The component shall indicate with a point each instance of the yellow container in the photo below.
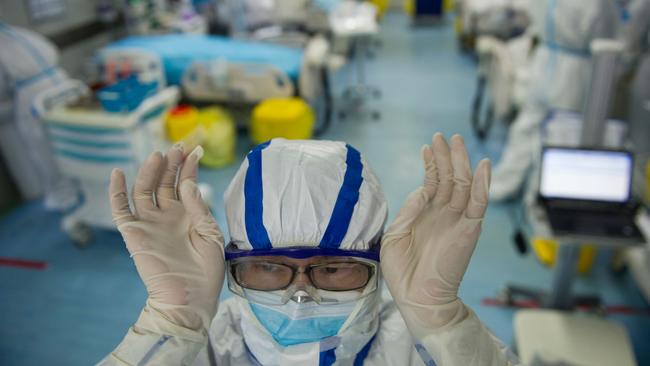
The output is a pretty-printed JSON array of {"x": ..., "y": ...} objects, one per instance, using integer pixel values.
[
  {"x": 409, "y": 7},
  {"x": 381, "y": 5},
  {"x": 290, "y": 118},
  {"x": 546, "y": 252},
  {"x": 213, "y": 128},
  {"x": 180, "y": 122},
  {"x": 449, "y": 5},
  {"x": 218, "y": 137},
  {"x": 458, "y": 25}
]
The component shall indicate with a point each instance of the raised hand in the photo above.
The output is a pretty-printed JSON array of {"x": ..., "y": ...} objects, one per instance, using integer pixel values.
[
  {"x": 173, "y": 239},
  {"x": 427, "y": 249}
]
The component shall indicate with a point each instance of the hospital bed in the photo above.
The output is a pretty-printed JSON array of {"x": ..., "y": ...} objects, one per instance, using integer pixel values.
[
  {"x": 220, "y": 69},
  {"x": 311, "y": 16},
  {"x": 182, "y": 55},
  {"x": 498, "y": 18},
  {"x": 291, "y": 20},
  {"x": 89, "y": 142}
]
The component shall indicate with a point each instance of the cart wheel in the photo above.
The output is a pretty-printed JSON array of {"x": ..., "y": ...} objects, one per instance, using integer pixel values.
[
  {"x": 80, "y": 234},
  {"x": 376, "y": 116}
]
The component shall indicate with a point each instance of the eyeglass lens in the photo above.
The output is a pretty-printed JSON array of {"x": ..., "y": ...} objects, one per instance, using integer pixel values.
[{"x": 268, "y": 276}]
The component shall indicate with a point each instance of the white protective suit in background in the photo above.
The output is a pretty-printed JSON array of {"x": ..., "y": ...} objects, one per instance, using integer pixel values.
[
  {"x": 639, "y": 117},
  {"x": 635, "y": 32},
  {"x": 27, "y": 67},
  {"x": 560, "y": 76},
  {"x": 635, "y": 25},
  {"x": 317, "y": 194}
]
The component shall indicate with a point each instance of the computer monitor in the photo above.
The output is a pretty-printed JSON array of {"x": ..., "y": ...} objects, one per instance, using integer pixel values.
[{"x": 586, "y": 174}]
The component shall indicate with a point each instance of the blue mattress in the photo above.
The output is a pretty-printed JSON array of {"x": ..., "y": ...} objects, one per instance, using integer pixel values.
[{"x": 178, "y": 51}]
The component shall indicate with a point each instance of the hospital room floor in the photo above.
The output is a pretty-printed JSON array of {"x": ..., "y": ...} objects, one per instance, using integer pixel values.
[{"x": 78, "y": 308}]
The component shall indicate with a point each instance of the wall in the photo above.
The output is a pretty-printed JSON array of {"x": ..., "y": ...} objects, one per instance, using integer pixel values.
[{"x": 78, "y": 12}]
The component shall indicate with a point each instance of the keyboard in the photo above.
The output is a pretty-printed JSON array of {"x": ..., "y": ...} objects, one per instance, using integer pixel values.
[{"x": 580, "y": 222}]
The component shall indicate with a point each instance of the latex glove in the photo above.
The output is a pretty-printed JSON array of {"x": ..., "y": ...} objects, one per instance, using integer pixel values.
[
  {"x": 426, "y": 250},
  {"x": 173, "y": 239}
]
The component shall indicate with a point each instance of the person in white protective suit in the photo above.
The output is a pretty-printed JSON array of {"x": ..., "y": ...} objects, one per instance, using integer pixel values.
[
  {"x": 306, "y": 259},
  {"x": 27, "y": 67},
  {"x": 560, "y": 75},
  {"x": 636, "y": 34}
]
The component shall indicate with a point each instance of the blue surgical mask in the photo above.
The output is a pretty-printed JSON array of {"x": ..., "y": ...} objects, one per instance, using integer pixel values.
[{"x": 294, "y": 323}]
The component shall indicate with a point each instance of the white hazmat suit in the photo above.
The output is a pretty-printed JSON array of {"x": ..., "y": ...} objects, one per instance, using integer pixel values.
[
  {"x": 28, "y": 66},
  {"x": 311, "y": 195},
  {"x": 636, "y": 34},
  {"x": 560, "y": 75}
]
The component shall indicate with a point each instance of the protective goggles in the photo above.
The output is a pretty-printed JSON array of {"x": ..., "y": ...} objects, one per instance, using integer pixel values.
[{"x": 322, "y": 275}]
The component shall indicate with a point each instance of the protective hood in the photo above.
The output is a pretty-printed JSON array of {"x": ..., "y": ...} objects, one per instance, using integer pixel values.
[
  {"x": 25, "y": 53},
  {"x": 316, "y": 194},
  {"x": 290, "y": 193}
]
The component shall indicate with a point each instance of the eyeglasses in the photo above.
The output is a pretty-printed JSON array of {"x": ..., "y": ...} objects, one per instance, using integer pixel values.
[
  {"x": 263, "y": 275},
  {"x": 334, "y": 280}
]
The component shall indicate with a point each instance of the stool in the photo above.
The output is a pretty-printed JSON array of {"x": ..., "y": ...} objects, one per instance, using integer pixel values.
[{"x": 555, "y": 337}]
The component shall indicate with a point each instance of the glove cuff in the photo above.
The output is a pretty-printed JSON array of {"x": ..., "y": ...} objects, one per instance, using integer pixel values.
[
  {"x": 154, "y": 321},
  {"x": 466, "y": 342},
  {"x": 423, "y": 320}
]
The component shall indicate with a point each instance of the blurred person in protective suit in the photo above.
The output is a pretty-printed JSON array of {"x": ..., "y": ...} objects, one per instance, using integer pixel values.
[
  {"x": 559, "y": 79},
  {"x": 28, "y": 66}
]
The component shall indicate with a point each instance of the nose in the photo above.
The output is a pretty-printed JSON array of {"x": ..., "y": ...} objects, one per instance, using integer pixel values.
[
  {"x": 302, "y": 280},
  {"x": 303, "y": 289}
]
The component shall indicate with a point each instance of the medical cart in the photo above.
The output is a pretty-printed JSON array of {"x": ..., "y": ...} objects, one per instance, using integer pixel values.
[{"x": 89, "y": 143}]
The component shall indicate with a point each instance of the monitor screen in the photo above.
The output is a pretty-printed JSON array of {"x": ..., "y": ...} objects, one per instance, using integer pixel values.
[{"x": 586, "y": 174}]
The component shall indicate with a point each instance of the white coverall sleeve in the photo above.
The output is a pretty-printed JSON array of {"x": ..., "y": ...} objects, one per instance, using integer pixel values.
[
  {"x": 151, "y": 343},
  {"x": 468, "y": 343}
]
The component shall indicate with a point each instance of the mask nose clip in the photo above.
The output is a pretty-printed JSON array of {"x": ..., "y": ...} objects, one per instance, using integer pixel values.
[
  {"x": 301, "y": 299},
  {"x": 301, "y": 295}
]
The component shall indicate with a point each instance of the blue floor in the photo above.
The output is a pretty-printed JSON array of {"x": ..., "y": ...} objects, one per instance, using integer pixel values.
[{"x": 78, "y": 309}]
